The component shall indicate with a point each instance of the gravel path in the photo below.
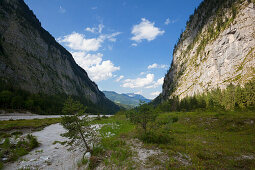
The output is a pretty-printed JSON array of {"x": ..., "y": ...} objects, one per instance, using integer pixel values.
[{"x": 49, "y": 156}]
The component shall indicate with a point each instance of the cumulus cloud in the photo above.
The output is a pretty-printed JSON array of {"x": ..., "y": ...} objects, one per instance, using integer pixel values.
[
  {"x": 96, "y": 68},
  {"x": 119, "y": 78},
  {"x": 155, "y": 65},
  {"x": 77, "y": 41},
  {"x": 159, "y": 82},
  {"x": 145, "y": 30},
  {"x": 139, "y": 82},
  {"x": 155, "y": 94}
]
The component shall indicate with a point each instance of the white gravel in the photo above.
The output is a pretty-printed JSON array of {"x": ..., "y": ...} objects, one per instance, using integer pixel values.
[{"x": 49, "y": 156}]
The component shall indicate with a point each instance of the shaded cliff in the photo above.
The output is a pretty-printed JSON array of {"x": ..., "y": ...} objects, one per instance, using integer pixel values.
[
  {"x": 217, "y": 48},
  {"x": 31, "y": 59}
]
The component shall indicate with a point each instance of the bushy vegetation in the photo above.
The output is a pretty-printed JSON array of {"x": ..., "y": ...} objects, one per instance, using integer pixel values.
[
  {"x": 150, "y": 129},
  {"x": 15, "y": 146},
  {"x": 189, "y": 140},
  {"x": 77, "y": 125},
  {"x": 233, "y": 98},
  {"x": 113, "y": 149},
  {"x": 210, "y": 140}
]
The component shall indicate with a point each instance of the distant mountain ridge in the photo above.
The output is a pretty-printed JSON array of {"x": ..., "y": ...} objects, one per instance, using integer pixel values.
[{"x": 128, "y": 100}]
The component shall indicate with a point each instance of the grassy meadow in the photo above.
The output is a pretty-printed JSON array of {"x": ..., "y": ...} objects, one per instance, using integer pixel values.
[{"x": 196, "y": 140}]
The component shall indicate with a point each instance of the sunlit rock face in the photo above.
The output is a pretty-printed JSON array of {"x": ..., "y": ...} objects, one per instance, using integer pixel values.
[
  {"x": 32, "y": 60},
  {"x": 216, "y": 49}
]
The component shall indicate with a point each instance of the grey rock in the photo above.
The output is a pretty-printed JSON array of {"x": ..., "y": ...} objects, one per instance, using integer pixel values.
[{"x": 230, "y": 58}]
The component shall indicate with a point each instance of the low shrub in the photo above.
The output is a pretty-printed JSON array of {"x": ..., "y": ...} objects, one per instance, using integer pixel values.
[{"x": 156, "y": 136}]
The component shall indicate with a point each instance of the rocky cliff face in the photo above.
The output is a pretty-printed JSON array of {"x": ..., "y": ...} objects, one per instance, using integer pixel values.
[
  {"x": 32, "y": 60},
  {"x": 216, "y": 49}
]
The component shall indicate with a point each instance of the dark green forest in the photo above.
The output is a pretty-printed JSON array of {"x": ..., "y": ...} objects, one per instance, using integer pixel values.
[
  {"x": 233, "y": 98},
  {"x": 15, "y": 99}
]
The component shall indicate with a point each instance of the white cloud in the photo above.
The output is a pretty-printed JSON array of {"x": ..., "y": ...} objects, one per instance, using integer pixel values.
[
  {"x": 79, "y": 42},
  {"x": 92, "y": 30},
  {"x": 159, "y": 82},
  {"x": 95, "y": 29},
  {"x": 119, "y": 78},
  {"x": 142, "y": 73},
  {"x": 61, "y": 10},
  {"x": 155, "y": 94},
  {"x": 145, "y": 30},
  {"x": 96, "y": 68},
  {"x": 155, "y": 65},
  {"x": 94, "y": 8},
  {"x": 139, "y": 82},
  {"x": 112, "y": 37},
  {"x": 167, "y": 21},
  {"x": 100, "y": 28}
]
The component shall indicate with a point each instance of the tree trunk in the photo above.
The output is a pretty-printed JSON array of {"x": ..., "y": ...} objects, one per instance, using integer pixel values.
[{"x": 83, "y": 138}]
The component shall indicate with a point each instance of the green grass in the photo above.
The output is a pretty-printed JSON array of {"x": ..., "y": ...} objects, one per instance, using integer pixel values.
[
  {"x": 206, "y": 140},
  {"x": 113, "y": 149},
  {"x": 213, "y": 140},
  {"x": 22, "y": 124},
  {"x": 12, "y": 151}
]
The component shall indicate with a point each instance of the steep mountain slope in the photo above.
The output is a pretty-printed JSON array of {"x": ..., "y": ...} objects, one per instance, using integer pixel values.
[
  {"x": 216, "y": 49},
  {"x": 128, "y": 100},
  {"x": 32, "y": 60}
]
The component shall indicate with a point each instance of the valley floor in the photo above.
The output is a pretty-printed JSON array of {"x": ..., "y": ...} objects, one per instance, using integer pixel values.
[{"x": 199, "y": 140}]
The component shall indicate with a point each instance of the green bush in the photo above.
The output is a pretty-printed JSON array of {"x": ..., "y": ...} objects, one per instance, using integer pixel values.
[
  {"x": 156, "y": 136},
  {"x": 33, "y": 143}
]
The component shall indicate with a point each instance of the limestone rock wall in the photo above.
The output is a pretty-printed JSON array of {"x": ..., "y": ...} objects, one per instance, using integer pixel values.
[{"x": 222, "y": 52}]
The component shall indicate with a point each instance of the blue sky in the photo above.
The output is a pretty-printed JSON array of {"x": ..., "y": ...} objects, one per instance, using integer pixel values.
[{"x": 124, "y": 45}]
